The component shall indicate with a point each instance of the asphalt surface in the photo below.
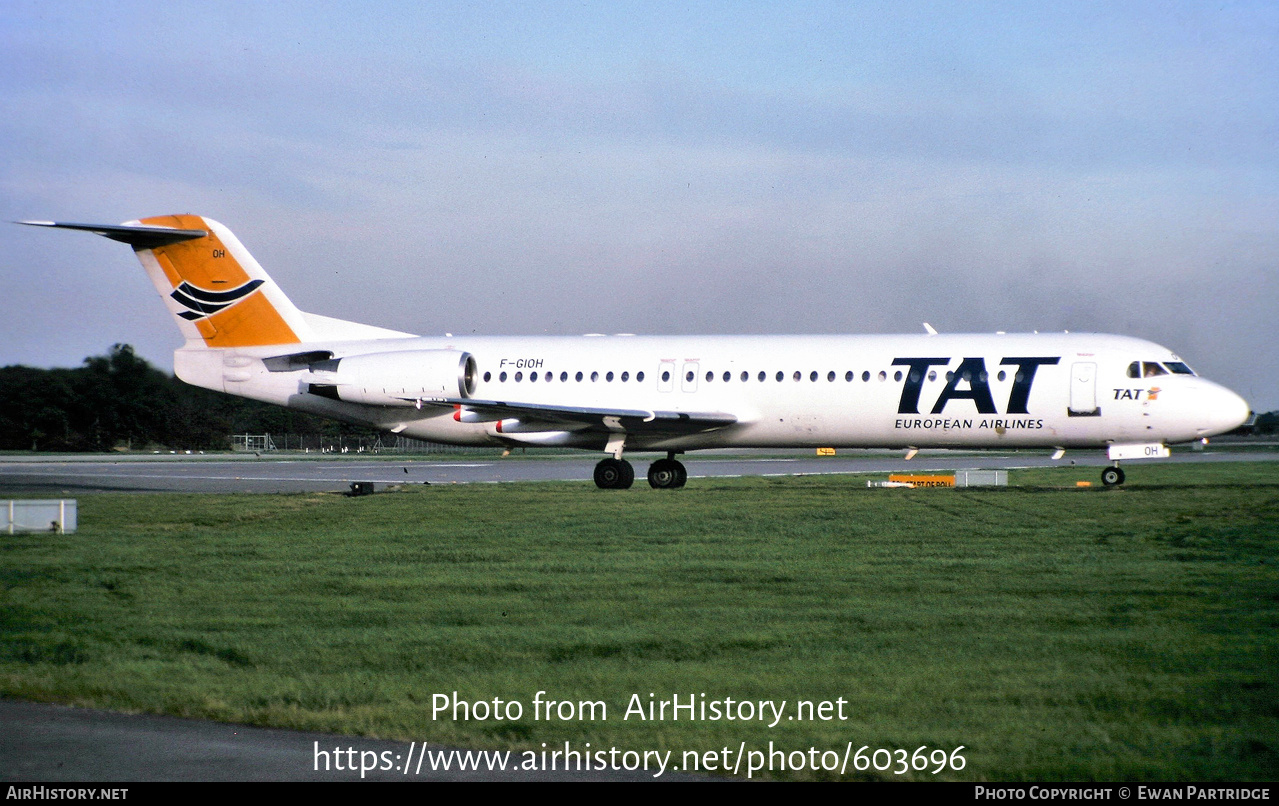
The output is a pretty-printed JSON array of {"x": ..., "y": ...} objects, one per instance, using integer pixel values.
[
  {"x": 273, "y": 473},
  {"x": 43, "y": 743}
]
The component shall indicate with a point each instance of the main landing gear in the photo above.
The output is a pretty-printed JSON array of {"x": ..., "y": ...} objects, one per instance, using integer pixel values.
[
  {"x": 617, "y": 474},
  {"x": 667, "y": 474},
  {"x": 614, "y": 474}
]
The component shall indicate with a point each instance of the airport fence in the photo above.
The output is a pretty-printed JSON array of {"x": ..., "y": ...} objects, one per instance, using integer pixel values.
[{"x": 348, "y": 444}]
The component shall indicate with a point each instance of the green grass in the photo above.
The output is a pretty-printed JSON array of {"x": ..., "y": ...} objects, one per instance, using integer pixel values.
[{"x": 1054, "y": 632}]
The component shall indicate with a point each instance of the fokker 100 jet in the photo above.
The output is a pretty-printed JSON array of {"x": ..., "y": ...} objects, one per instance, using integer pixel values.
[{"x": 668, "y": 394}]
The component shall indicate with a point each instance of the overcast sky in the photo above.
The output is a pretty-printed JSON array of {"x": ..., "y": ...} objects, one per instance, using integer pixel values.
[{"x": 659, "y": 168}]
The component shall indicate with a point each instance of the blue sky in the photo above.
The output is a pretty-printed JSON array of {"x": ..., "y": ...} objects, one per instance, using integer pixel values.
[{"x": 659, "y": 168}]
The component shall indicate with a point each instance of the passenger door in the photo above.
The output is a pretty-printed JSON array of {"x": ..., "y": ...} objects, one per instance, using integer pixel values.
[{"x": 1083, "y": 390}]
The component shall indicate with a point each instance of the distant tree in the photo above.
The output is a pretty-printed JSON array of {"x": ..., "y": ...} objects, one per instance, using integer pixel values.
[
  {"x": 1267, "y": 423},
  {"x": 132, "y": 401},
  {"x": 36, "y": 408}
]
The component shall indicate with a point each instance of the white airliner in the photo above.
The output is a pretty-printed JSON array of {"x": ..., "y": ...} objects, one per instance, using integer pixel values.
[{"x": 668, "y": 394}]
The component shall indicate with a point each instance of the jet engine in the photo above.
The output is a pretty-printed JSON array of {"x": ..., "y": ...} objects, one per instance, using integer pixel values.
[{"x": 395, "y": 379}]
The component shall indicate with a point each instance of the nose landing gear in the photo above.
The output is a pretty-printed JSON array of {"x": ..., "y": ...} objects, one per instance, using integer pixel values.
[{"x": 1112, "y": 476}]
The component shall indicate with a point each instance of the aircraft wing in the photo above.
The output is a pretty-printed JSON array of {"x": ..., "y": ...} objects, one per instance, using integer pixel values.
[{"x": 629, "y": 420}]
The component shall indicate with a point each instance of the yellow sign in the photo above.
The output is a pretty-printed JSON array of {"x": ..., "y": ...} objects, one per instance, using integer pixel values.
[
  {"x": 923, "y": 481},
  {"x": 825, "y": 451}
]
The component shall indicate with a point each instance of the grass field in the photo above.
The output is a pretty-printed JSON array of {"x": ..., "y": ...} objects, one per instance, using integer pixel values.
[{"x": 1053, "y": 632}]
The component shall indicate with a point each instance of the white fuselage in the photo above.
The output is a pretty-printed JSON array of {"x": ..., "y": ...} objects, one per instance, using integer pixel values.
[{"x": 888, "y": 391}]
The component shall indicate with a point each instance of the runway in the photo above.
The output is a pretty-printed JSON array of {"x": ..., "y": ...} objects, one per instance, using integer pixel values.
[{"x": 275, "y": 473}]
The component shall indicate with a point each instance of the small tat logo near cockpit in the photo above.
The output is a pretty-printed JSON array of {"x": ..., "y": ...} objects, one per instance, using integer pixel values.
[
  {"x": 200, "y": 303},
  {"x": 1138, "y": 394}
]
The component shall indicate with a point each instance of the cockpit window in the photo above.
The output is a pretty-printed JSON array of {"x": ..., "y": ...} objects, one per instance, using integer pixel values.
[
  {"x": 1179, "y": 368},
  {"x": 1134, "y": 370},
  {"x": 1150, "y": 369}
]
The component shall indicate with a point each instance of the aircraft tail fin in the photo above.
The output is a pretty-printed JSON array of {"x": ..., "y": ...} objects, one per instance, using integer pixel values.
[{"x": 218, "y": 294}]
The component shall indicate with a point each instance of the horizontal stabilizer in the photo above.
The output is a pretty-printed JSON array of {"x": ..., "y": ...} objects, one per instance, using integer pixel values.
[{"x": 136, "y": 235}]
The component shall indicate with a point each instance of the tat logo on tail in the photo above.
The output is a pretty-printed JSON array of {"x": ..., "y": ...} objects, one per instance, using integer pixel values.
[{"x": 200, "y": 303}]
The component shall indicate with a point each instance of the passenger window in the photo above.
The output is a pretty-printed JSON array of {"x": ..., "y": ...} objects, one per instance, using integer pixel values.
[
  {"x": 502, "y": 377},
  {"x": 595, "y": 376},
  {"x": 780, "y": 375},
  {"x": 728, "y": 376},
  {"x": 830, "y": 376},
  {"x": 563, "y": 377},
  {"x": 884, "y": 375},
  {"x": 797, "y": 375},
  {"x": 532, "y": 377},
  {"x": 639, "y": 376},
  {"x": 626, "y": 376},
  {"x": 690, "y": 376},
  {"x": 487, "y": 376},
  {"x": 710, "y": 376},
  {"x": 666, "y": 376},
  {"x": 897, "y": 376},
  {"x": 848, "y": 376},
  {"x": 762, "y": 376},
  {"x": 865, "y": 376},
  {"x": 745, "y": 376},
  {"x": 519, "y": 376},
  {"x": 578, "y": 377},
  {"x": 609, "y": 376}
]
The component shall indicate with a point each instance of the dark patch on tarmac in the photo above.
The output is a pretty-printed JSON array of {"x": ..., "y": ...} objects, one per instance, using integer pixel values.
[{"x": 57, "y": 743}]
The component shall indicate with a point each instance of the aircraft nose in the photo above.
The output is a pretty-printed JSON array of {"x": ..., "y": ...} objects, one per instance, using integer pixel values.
[{"x": 1224, "y": 411}]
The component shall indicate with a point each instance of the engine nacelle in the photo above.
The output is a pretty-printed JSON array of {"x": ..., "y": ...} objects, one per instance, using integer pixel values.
[{"x": 395, "y": 379}]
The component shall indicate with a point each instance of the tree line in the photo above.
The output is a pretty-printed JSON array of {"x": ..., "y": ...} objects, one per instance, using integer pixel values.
[{"x": 119, "y": 400}]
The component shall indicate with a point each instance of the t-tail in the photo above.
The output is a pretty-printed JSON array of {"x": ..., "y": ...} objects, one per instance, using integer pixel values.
[
  {"x": 220, "y": 297},
  {"x": 218, "y": 294}
]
